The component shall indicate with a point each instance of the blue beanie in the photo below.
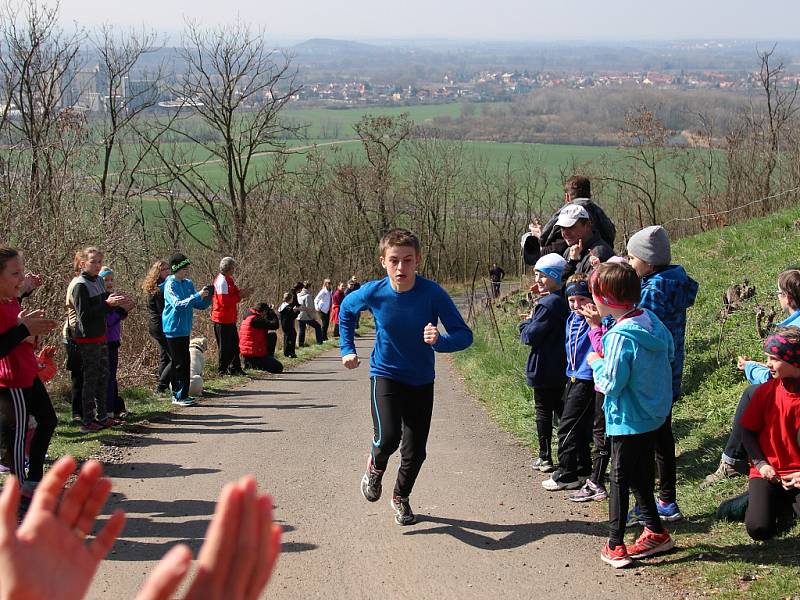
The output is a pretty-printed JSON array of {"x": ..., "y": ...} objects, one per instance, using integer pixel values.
[
  {"x": 551, "y": 265},
  {"x": 106, "y": 271}
]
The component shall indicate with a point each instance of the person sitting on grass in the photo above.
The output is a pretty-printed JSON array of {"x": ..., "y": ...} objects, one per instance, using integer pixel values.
[
  {"x": 635, "y": 375},
  {"x": 771, "y": 435},
  {"x": 734, "y": 460},
  {"x": 544, "y": 331},
  {"x": 257, "y": 339}
]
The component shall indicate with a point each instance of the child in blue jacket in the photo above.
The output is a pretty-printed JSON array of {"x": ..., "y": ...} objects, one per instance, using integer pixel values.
[
  {"x": 180, "y": 300},
  {"x": 544, "y": 332},
  {"x": 667, "y": 291},
  {"x": 635, "y": 375}
]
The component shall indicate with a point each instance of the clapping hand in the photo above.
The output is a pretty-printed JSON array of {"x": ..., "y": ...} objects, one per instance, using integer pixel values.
[
  {"x": 237, "y": 558},
  {"x": 47, "y": 556},
  {"x": 31, "y": 282},
  {"x": 35, "y": 322}
]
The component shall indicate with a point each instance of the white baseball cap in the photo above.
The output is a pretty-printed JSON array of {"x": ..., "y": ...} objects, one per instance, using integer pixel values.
[{"x": 570, "y": 215}]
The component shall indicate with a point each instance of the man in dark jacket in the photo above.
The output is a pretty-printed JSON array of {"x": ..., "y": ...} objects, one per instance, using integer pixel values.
[
  {"x": 541, "y": 240},
  {"x": 582, "y": 241}
]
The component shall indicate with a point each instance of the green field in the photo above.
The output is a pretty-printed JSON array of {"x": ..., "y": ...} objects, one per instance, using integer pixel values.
[{"x": 713, "y": 557}]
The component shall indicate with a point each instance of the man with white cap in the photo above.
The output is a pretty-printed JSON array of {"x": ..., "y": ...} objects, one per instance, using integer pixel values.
[{"x": 582, "y": 241}]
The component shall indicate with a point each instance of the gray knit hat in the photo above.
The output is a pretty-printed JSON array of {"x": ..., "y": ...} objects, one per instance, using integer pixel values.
[{"x": 651, "y": 245}]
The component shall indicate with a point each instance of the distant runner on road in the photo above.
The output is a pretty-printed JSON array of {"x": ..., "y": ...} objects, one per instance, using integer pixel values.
[{"x": 407, "y": 309}]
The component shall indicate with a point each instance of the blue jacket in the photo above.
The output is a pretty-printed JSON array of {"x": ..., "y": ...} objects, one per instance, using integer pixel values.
[
  {"x": 578, "y": 346},
  {"x": 635, "y": 375},
  {"x": 400, "y": 353},
  {"x": 669, "y": 293},
  {"x": 544, "y": 332},
  {"x": 180, "y": 299},
  {"x": 756, "y": 373}
]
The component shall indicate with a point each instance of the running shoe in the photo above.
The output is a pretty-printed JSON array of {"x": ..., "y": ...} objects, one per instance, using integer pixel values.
[
  {"x": 634, "y": 517},
  {"x": 183, "y": 401},
  {"x": 371, "y": 487},
  {"x": 110, "y": 422},
  {"x": 91, "y": 427},
  {"x": 556, "y": 483},
  {"x": 617, "y": 558},
  {"x": 590, "y": 491},
  {"x": 543, "y": 465},
  {"x": 668, "y": 511},
  {"x": 649, "y": 544},
  {"x": 403, "y": 515}
]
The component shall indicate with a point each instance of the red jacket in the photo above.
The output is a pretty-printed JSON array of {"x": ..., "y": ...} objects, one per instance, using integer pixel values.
[
  {"x": 18, "y": 367},
  {"x": 225, "y": 300},
  {"x": 252, "y": 340}
]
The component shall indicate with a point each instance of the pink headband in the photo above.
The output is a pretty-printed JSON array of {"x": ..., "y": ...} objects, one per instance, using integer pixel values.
[{"x": 607, "y": 300}]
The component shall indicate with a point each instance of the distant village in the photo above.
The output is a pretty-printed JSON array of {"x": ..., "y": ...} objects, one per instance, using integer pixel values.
[{"x": 87, "y": 90}]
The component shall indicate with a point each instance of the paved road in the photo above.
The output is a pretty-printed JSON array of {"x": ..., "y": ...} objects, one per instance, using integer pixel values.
[{"x": 487, "y": 529}]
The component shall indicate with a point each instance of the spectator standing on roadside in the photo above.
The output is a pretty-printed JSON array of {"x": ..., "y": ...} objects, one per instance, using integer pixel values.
[
  {"x": 496, "y": 276},
  {"x": 114, "y": 402},
  {"x": 541, "y": 240},
  {"x": 224, "y": 312},
  {"x": 582, "y": 242},
  {"x": 322, "y": 303},
  {"x": 153, "y": 286},
  {"x": 307, "y": 317},
  {"x": 287, "y": 314},
  {"x": 336, "y": 302},
  {"x": 180, "y": 301},
  {"x": 352, "y": 286}
]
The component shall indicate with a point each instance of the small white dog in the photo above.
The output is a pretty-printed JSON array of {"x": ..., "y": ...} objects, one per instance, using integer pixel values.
[{"x": 197, "y": 349}]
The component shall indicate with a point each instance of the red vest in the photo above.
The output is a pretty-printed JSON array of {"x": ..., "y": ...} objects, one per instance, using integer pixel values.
[{"x": 252, "y": 341}]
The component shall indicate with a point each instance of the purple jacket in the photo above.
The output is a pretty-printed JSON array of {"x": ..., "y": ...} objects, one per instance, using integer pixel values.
[{"x": 114, "y": 320}]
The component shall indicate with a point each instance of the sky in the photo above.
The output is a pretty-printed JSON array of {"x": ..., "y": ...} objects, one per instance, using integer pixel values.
[{"x": 519, "y": 20}]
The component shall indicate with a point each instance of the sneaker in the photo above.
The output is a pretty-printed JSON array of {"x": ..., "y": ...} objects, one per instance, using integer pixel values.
[
  {"x": 668, "y": 511},
  {"x": 724, "y": 471},
  {"x": 403, "y": 515},
  {"x": 589, "y": 491},
  {"x": 4, "y": 469},
  {"x": 555, "y": 483},
  {"x": 634, "y": 517},
  {"x": 110, "y": 422},
  {"x": 650, "y": 543},
  {"x": 543, "y": 465},
  {"x": 183, "y": 402},
  {"x": 77, "y": 417},
  {"x": 617, "y": 558},
  {"x": 91, "y": 427},
  {"x": 371, "y": 487},
  {"x": 733, "y": 509}
]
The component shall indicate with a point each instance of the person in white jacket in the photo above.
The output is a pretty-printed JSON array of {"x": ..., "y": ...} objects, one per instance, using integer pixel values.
[
  {"x": 322, "y": 303},
  {"x": 307, "y": 317}
]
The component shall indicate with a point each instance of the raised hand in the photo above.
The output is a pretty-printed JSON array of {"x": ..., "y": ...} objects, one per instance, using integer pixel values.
[
  {"x": 575, "y": 250},
  {"x": 430, "y": 334},
  {"x": 35, "y": 322},
  {"x": 47, "y": 556},
  {"x": 591, "y": 314},
  {"x": 31, "y": 282},
  {"x": 237, "y": 558}
]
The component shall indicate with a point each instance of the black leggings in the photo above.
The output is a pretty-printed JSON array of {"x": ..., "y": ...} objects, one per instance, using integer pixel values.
[
  {"x": 600, "y": 456},
  {"x": 400, "y": 412},
  {"x": 765, "y": 504},
  {"x": 665, "y": 461},
  {"x": 632, "y": 470},
  {"x": 15, "y": 406},
  {"x": 548, "y": 401},
  {"x": 179, "y": 351},
  {"x": 164, "y": 362}
]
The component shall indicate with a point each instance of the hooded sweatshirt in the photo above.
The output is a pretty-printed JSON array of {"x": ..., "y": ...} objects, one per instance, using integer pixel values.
[
  {"x": 757, "y": 373},
  {"x": 668, "y": 293},
  {"x": 635, "y": 374}
]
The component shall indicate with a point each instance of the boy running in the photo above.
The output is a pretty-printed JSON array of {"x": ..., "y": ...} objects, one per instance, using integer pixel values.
[{"x": 407, "y": 308}]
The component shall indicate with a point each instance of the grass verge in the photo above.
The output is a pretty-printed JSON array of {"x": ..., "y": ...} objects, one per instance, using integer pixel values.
[{"x": 713, "y": 557}]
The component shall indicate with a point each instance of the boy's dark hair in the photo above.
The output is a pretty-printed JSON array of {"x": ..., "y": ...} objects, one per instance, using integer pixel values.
[
  {"x": 578, "y": 187},
  {"x": 399, "y": 237},
  {"x": 6, "y": 254},
  {"x": 617, "y": 281},
  {"x": 789, "y": 284}
]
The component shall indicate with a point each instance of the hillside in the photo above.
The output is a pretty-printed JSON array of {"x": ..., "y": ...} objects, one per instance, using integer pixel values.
[{"x": 713, "y": 556}]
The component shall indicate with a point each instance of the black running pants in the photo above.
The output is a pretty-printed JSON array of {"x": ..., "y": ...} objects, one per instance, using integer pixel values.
[
  {"x": 767, "y": 501},
  {"x": 548, "y": 402},
  {"x": 575, "y": 428},
  {"x": 401, "y": 417}
]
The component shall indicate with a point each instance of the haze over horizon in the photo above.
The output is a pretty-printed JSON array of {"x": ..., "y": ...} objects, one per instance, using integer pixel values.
[{"x": 458, "y": 20}]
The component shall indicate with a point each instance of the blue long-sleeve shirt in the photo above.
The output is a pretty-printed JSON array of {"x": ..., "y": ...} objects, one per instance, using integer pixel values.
[
  {"x": 757, "y": 373},
  {"x": 180, "y": 299},
  {"x": 400, "y": 353}
]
